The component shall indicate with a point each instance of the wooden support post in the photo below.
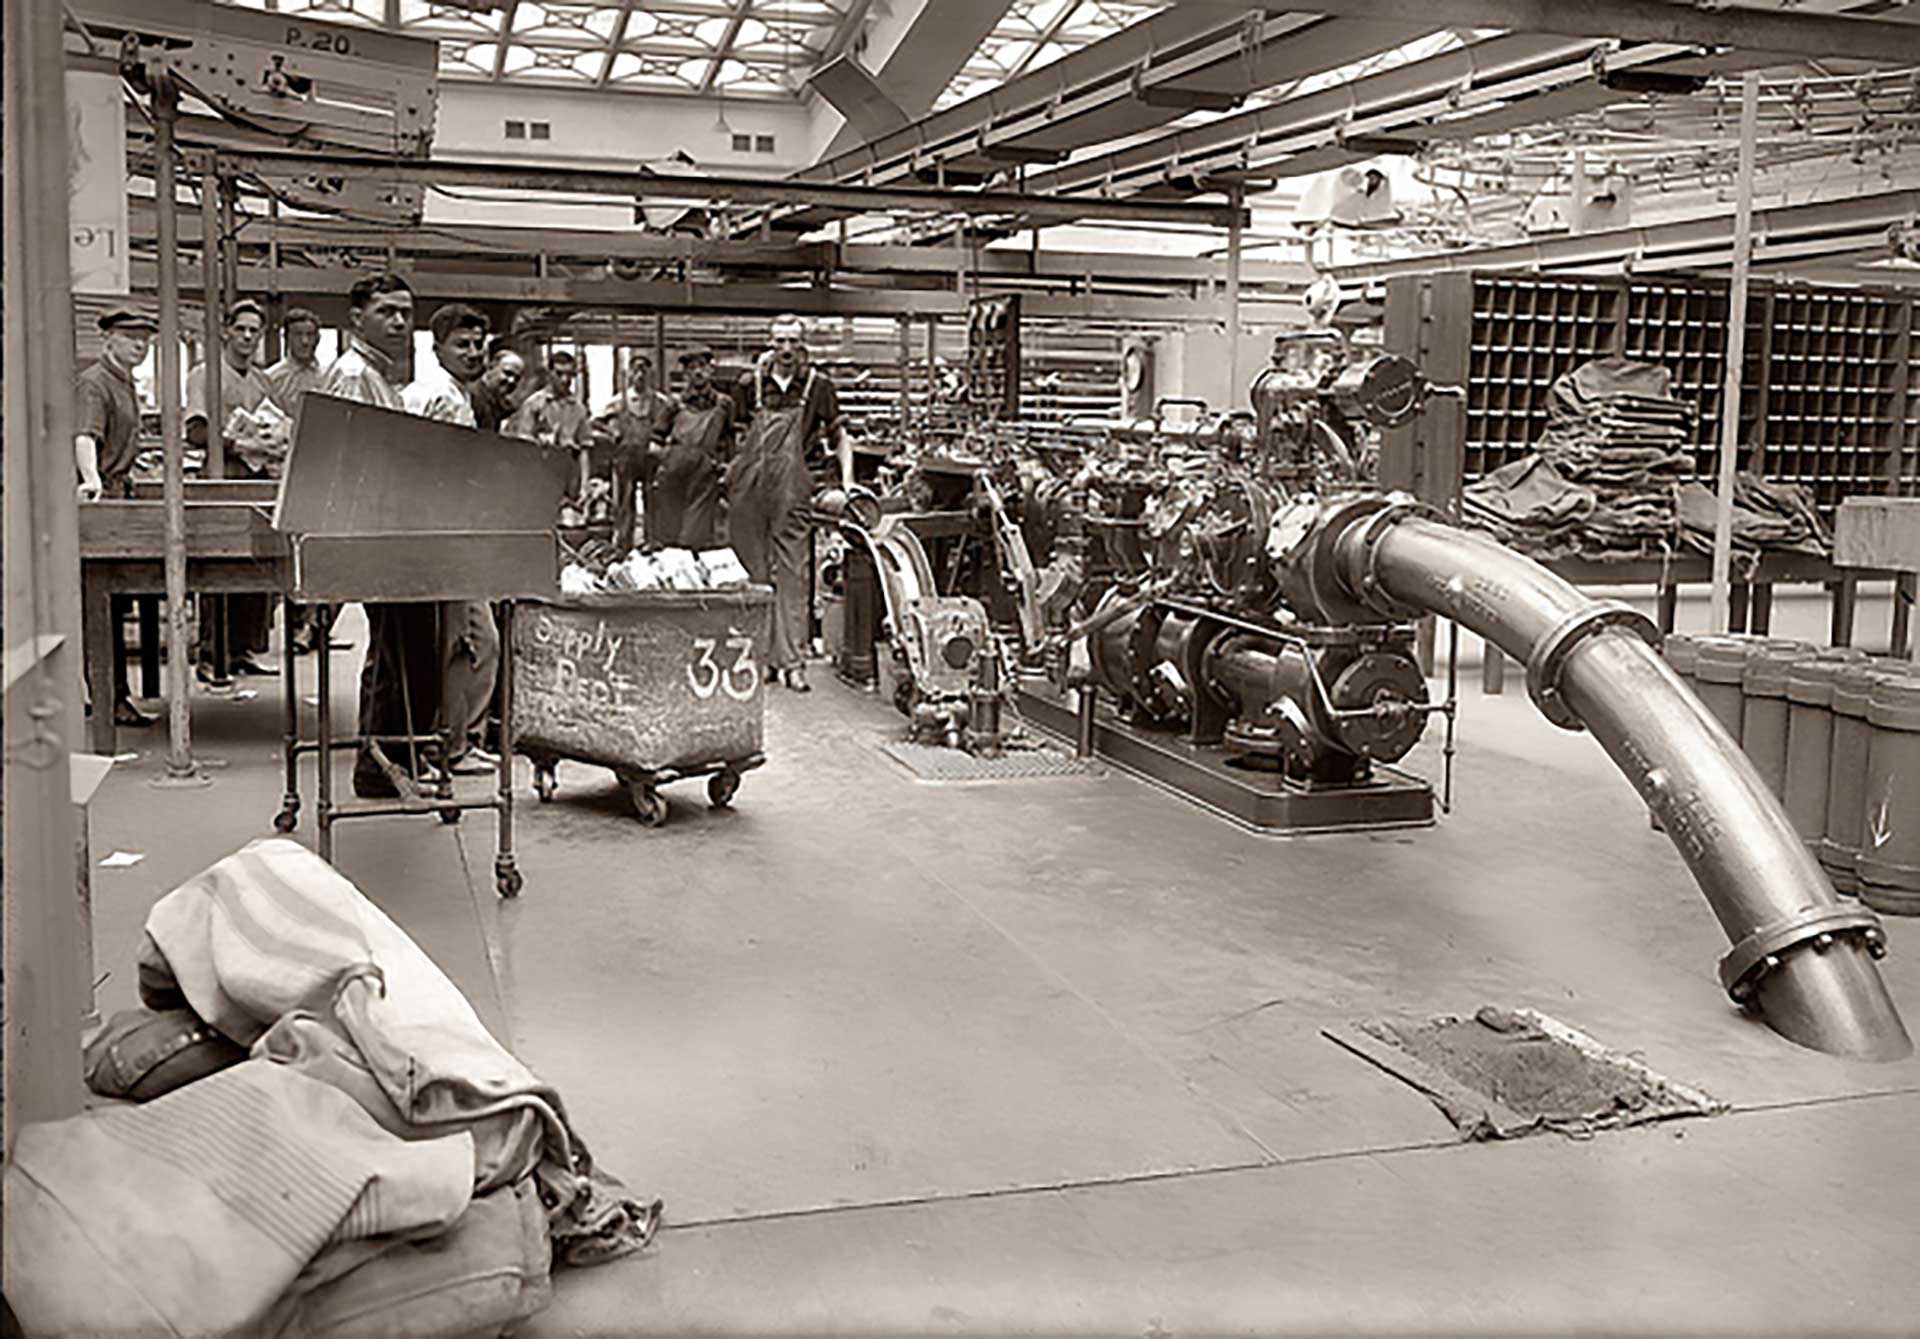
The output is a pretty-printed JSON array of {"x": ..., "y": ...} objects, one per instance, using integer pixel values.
[
  {"x": 1721, "y": 593},
  {"x": 46, "y": 977}
]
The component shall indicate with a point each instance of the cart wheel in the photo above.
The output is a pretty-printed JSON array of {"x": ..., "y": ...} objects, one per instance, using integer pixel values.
[
  {"x": 508, "y": 882},
  {"x": 286, "y": 820},
  {"x": 648, "y": 803},
  {"x": 545, "y": 783},
  {"x": 449, "y": 816},
  {"x": 722, "y": 787}
]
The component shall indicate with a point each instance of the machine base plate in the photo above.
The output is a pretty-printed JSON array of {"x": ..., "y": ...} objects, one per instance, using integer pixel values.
[{"x": 1262, "y": 801}]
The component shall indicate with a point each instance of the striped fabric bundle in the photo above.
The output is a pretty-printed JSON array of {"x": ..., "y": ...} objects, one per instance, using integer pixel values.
[{"x": 273, "y": 930}]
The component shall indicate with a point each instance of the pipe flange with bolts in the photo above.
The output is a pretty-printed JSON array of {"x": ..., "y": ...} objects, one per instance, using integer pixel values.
[
  {"x": 1550, "y": 655},
  {"x": 1761, "y": 951}
]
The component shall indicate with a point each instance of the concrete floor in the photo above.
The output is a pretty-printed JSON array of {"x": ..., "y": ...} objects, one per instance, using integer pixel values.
[{"x": 1046, "y": 1055}]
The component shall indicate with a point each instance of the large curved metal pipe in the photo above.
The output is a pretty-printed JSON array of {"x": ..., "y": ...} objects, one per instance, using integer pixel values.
[{"x": 1800, "y": 956}]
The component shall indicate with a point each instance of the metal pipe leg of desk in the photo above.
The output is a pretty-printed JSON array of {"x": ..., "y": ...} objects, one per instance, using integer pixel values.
[
  {"x": 1669, "y": 608},
  {"x": 507, "y": 880},
  {"x": 96, "y": 635},
  {"x": 149, "y": 606},
  {"x": 289, "y": 816},
  {"x": 1900, "y": 644},
  {"x": 323, "y": 806},
  {"x": 213, "y": 636},
  {"x": 1762, "y": 615},
  {"x": 1845, "y": 592},
  {"x": 1493, "y": 671},
  {"x": 1738, "y": 606}
]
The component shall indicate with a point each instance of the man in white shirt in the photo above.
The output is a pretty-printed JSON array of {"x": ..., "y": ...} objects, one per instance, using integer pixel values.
[
  {"x": 469, "y": 637},
  {"x": 442, "y": 380}
]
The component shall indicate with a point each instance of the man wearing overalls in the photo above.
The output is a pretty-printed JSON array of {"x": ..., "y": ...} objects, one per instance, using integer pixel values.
[
  {"x": 792, "y": 415},
  {"x": 684, "y": 508}
]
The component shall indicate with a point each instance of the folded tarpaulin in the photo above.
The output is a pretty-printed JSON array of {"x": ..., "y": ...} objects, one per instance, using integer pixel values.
[
  {"x": 273, "y": 930},
  {"x": 193, "y": 1213}
]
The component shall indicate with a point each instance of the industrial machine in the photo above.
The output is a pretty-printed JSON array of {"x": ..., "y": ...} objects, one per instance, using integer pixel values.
[
  {"x": 1211, "y": 661},
  {"x": 1250, "y": 643}
]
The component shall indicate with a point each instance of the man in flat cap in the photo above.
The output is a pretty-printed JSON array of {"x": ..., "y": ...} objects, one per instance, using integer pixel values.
[
  {"x": 106, "y": 438},
  {"x": 684, "y": 508}
]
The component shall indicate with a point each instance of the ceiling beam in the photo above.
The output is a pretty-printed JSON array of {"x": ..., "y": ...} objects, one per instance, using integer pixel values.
[
  {"x": 724, "y": 48},
  {"x": 325, "y": 291},
  {"x": 613, "y": 44},
  {"x": 505, "y": 40},
  {"x": 1841, "y": 223},
  {"x": 704, "y": 188},
  {"x": 1789, "y": 32},
  {"x": 1047, "y": 34}
]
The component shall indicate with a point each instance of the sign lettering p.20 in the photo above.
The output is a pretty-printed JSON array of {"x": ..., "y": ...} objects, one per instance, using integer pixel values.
[{"x": 723, "y": 665}]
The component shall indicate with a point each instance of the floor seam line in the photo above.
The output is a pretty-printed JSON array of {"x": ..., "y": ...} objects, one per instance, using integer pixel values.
[{"x": 1058, "y": 1187}]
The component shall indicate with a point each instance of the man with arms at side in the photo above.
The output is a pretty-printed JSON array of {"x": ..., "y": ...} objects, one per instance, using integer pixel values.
[
  {"x": 290, "y": 379},
  {"x": 792, "y": 420},
  {"x": 400, "y": 683},
  {"x": 299, "y": 372},
  {"x": 469, "y": 638},
  {"x": 106, "y": 437},
  {"x": 254, "y": 439},
  {"x": 684, "y": 507}
]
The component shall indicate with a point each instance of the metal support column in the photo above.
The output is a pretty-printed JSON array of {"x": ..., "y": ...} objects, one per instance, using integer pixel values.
[
  {"x": 1721, "y": 592},
  {"x": 180, "y": 769},
  {"x": 214, "y": 297},
  {"x": 1237, "y": 198}
]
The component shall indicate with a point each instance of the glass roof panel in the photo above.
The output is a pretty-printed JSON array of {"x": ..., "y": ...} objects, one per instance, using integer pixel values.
[{"x": 755, "y": 48}]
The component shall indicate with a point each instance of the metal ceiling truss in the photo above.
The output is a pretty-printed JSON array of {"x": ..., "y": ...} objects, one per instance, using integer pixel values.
[
  {"x": 1786, "y": 31},
  {"x": 1784, "y": 233}
]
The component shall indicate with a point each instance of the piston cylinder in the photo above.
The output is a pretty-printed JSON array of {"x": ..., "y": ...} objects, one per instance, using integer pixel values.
[
  {"x": 1846, "y": 773},
  {"x": 1889, "y": 862},
  {"x": 1763, "y": 717},
  {"x": 1810, "y": 739}
]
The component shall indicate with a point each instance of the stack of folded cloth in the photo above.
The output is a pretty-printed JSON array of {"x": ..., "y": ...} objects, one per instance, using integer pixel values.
[
  {"x": 1601, "y": 481},
  {"x": 1766, "y": 516},
  {"x": 1530, "y": 506}
]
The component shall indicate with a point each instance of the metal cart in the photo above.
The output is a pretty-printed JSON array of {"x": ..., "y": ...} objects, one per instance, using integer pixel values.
[
  {"x": 656, "y": 686},
  {"x": 383, "y": 506}
]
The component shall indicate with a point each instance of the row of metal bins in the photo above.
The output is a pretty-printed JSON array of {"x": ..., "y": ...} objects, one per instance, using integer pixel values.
[{"x": 1836, "y": 734}]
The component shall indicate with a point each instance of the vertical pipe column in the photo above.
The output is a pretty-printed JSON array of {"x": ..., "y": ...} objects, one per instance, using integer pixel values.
[
  {"x": 1721, "y": 593},
  {"x": 1236, "y": 197},
  {"x": 213, "y": 302},
  {"x": 180, "y": 769}
]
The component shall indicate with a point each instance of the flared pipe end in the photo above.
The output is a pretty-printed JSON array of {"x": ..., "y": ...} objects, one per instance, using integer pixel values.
[{"x": 1834, "y": 1001}]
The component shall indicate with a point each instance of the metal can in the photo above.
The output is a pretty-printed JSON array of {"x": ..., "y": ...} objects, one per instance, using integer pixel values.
[
  {"x": 1846, "y": 772},
  {"x": 1763, "y": 713},
  {"x": 1889, "y": 861},
  {"x": 1810, "y": 739}
]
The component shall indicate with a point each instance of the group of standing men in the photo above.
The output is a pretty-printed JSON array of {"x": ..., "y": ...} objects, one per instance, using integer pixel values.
[{"x": 706, "y": 460}]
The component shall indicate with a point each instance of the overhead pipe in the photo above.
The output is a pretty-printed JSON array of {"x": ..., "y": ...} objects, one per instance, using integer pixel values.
[{"x": 1800, "y": 958}]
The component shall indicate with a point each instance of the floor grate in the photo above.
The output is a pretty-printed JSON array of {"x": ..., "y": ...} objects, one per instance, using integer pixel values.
[{"x": 929, "y": 762}]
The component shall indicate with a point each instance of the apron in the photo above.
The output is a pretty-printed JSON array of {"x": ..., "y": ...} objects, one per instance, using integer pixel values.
[
  {"x": 686, "y": 488},
  {"x": 767, "y": 485}
]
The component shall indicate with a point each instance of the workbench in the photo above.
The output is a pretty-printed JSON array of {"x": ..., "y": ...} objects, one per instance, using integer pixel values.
[
  {"x": 1751, "y": 608},
  {"x": 232, "y": 548}
]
